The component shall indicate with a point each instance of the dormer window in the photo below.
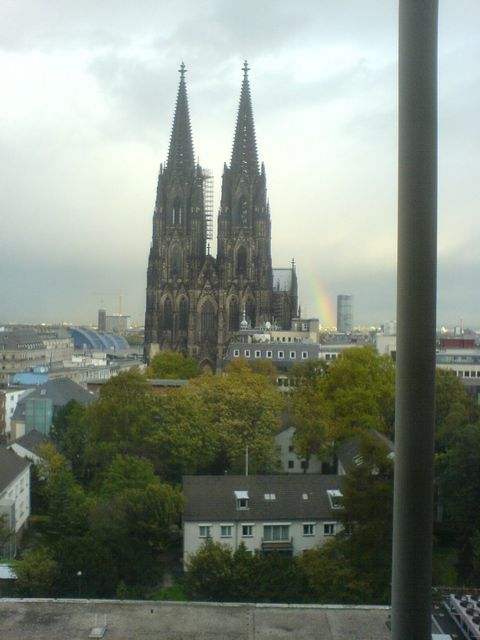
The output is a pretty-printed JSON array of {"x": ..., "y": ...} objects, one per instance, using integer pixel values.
[
  {"x": 335, "y": 497},
  {"x": 242, "y": 499}
]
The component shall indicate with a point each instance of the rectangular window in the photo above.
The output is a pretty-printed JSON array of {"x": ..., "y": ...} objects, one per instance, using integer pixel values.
[
  {"x": 275, "y": 532},
  {"x": 242, "y": 499},
  {"x": 270, "y": 496},
  {"x": 247, "y": 353},
  {"x": 247, "y": 530},
  {"x": 308, "y": 528},
  {"x": 225, "y": 530},
  {"x": 291, "y": 464},
  {"x": 304, "y": 355},
  {"x": 269, "y": 354},
  {"x": 293, "y": 355},
  {"x": 329, "y": 529},
  {"x": 258, "y": 354},
  {"x": 204, "y": 531},
  {"x": 280, "y": 355},
  {"x": 335, "y": 496},
  {"x": 236, "y": 353},
  {"x": 290, "y": 448}
]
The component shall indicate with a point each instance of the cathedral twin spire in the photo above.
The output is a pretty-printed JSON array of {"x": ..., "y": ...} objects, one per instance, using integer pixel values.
[
  {"x": 244, "y": 154},
  {"x": 180, "y": 155}
]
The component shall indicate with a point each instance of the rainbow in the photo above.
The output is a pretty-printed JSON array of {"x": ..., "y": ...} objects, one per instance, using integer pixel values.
[{"x": 323, "y": 307}]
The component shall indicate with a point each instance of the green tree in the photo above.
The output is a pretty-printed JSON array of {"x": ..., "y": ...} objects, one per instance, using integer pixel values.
[
  {"x": 171, "y": 365},
  {"x": 245, "y": 409},
  {"x": 127, "y": 472},
  {"x": 36, "y": 573},
  {"x": 354, "y": 393},
  {"x": 315, "y": 429},
  {"x": 66, "y": 506},
  {"x": 210, "y": 573},
  {"x": 454, "y": 408},
  {"x": 6, "y": 533},
  {"x": 184, "y": 440},
  {"x": 458, "y": 474},
  {"x": 360, "y": 386},
  {"x": 136, "y": 517},
  {"x": 355, "y": 566},
  {"x": 120, "y": 421},
  {"x": 69, "y": 433}
]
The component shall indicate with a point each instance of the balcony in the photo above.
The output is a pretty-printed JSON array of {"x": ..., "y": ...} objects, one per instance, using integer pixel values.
[{"x": 281, "y": 546}]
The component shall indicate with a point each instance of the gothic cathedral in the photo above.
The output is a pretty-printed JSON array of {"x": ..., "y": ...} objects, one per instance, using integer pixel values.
[{"x": 195, "y": 302}]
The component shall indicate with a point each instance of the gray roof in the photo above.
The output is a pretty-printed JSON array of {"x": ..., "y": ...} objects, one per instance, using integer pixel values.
[
  {"x": 60, "y": 391},
  {"x": 20, "y": 339},
  {"x": 347, "y": 453},
  {"x": 74, "y": 619},
  {"x": 31, "y": 441},
  {"x": 212, "y": 497},
  {"x": 11, "y": 466}
]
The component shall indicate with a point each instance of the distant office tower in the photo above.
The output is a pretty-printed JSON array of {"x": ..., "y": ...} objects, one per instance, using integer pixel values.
[
  {"x": 102, "y": 320},
  {"x": 344, "y": 313}
]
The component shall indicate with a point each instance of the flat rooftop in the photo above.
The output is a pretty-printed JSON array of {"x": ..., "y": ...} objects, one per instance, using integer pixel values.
[{"x": 44, "y": 619}]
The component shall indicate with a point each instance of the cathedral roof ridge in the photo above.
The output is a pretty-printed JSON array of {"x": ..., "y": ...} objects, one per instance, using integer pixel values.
[{"x": 181, "y": 158}]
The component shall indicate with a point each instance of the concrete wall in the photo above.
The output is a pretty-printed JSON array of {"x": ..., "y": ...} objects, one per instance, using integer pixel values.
[{"x": 74, "y": 619}]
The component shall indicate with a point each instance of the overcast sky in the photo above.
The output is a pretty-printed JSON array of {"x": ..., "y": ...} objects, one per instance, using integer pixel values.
[{"x": 87, "y": 92}]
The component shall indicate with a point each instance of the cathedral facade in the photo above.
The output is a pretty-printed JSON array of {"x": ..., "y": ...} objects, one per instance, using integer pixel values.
[{"x": 196, "y": 302}]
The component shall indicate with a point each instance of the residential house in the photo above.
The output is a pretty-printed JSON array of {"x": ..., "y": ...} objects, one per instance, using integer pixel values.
[
  {"x": 284, "y": 513},
  {"x": 37, "y": 410},
  {"x": 14, "y": 494},
  {"x": 27, "y": 446}
]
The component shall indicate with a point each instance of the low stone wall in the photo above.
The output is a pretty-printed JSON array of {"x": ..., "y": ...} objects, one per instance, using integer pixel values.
[{"x": 44, "y": 619}]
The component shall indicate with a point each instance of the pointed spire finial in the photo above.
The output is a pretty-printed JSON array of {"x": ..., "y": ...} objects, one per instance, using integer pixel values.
[
  {"x": 244, "y": 153},
  {"x": 181, "y": 159}
]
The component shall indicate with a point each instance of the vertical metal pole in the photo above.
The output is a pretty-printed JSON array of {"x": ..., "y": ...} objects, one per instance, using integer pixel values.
[{"x": 416, "y": 306}]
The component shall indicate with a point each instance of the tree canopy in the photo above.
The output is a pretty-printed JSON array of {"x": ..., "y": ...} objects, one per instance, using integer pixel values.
[{"x": 171, "y": 365}]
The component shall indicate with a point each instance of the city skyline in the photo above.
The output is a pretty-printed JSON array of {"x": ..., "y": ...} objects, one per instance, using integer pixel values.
[{"x": 86, "y": 111}]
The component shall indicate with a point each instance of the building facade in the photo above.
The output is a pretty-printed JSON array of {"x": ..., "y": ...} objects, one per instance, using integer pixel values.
[
  {"x": 286, "y": 513},
  {"x": 195, "y": 301},
  {"x": 344, "y": 313}
]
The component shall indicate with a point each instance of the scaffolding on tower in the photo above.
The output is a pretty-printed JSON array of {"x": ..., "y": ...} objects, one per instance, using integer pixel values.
[{"x": 208, "y": 202}]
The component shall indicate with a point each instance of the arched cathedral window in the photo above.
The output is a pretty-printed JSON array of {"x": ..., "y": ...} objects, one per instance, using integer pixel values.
[
  {"x": 177, "y": 212},
  {"x": 167, "y": 314},
  {"x": 183, "y": 315},
  {"x": 233, "y": 315},
  {"x": 176, "y": 262},
  {"x": 241, "y": 269},
  {"x": 207, "y": 323}
]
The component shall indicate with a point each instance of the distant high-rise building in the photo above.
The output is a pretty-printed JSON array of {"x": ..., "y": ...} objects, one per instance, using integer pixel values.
[
  {"x": 345, "y": 313},
  {"x": 102, "y": 320},
  {"x": 195, "y": 301}
]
